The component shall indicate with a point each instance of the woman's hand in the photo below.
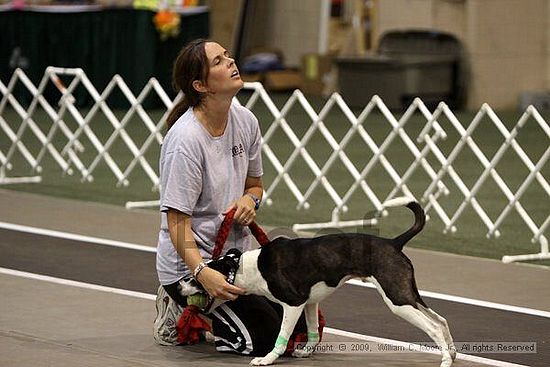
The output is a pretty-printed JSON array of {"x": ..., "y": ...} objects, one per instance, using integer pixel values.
[
  {"x": 245, "y": 213},
  {"x": 215, "y": 284}
]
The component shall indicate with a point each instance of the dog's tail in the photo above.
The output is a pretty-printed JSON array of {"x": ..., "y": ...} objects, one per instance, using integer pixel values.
[{"x": 419, "y": 219}]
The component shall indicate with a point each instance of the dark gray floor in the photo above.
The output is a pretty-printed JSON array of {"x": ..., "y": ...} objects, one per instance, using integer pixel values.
[
  {"x": 351, "y": 308},
  {"x": 48, "y": 324}
]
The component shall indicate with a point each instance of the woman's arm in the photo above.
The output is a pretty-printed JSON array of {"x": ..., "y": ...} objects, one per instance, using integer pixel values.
[
  {"x": 245, "y": 207},
  {"x": 179, "y": 225},
  {"x": 254, "y": 186}
]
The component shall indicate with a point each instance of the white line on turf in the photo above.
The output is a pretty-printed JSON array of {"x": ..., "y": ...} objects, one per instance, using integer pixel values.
[
  {"x": 348, "y": 334},
  {"x": 356, "y": 282},
  {"x": 469, "y": 301},
  {"x": 74, "y": 283},
  {"x": 75, "y": 237}
]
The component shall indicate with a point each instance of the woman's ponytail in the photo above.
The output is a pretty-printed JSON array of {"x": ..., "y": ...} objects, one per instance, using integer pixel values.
[
  {"x": 176, "y": 112},
  {"x": 190, "y": 65}
]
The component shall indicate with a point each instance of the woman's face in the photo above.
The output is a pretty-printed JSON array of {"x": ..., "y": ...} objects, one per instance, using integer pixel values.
[{"x": 223, "y": 76}]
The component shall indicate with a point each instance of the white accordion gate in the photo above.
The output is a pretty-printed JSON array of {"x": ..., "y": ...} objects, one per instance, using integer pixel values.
[{"x": 420, "y": 147}]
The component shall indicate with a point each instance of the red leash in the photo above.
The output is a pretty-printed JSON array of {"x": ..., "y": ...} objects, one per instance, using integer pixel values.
[
  {"x": 190, "y": 324},
  {"x": 188, "y": 333},
  {"x": 225, "y": 228}
]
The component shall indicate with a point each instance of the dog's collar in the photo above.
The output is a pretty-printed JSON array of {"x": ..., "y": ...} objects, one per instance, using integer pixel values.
[{"x": 228, "y": 265}]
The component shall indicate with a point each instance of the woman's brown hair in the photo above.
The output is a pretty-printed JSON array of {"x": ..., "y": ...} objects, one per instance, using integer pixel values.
[{"x": 190, "y": 65}]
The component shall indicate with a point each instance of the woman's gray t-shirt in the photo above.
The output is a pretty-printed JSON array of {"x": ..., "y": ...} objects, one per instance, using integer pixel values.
[{"x": 201, "y": 175}]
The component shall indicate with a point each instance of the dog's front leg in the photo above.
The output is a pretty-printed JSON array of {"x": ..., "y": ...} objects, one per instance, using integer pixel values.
[
  {"x": 312, "y": 321},
  {"x": 290, "y": 318}
]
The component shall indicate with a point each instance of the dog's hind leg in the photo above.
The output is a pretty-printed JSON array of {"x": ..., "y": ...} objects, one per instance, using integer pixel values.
[
  {"x": 312, "y": 320},
  {"x": 446, "y": 332},
  {"x": 290, "y": 318},
  {"x": 424, "y": 321}
]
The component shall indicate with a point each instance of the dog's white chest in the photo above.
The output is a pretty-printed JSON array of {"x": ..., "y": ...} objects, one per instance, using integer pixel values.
[{"x": 248, "y": 276}]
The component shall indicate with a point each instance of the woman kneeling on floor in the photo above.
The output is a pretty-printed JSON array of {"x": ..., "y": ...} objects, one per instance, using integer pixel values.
[{"x": 210, "y": 162}]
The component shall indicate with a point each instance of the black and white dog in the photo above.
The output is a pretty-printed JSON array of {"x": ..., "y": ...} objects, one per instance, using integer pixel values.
[{"x": 299, "y": 273}]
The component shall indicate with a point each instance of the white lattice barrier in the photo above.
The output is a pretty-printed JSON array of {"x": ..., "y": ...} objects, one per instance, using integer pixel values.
[
  {"x": 69, "y": 156},
  {"x": 467, "y": 142},
  {"x": 26, "y": 122},
  {"x": 339, "y": 156},
  {"x": 420, "y": 148}
]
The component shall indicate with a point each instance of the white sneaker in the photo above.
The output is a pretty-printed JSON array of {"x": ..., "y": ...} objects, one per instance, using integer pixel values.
[{"x": 168, "y": 314}]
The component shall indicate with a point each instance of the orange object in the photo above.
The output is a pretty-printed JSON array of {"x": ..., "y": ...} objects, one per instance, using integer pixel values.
[{"x": 167, "y": 24}]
